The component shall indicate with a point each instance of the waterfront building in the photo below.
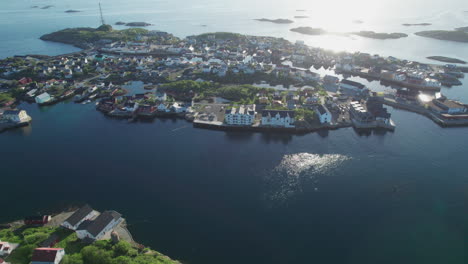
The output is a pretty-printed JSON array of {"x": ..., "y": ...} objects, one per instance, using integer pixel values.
[
  {"x": 331, "y": 79},
  {"x": 78, "y": 217},
  {"x": 43, "y": 98},
  {"x": 446, "y": 106},
  {"x": 351, "y": 85},
  {"x": 37, "y": 220},
  {"x": 16, "y": 116},
  {"x": 278, "y": 118},
  {"x": 99, "y": 227},
  {"x": 243, "y": 115},
  {"x": 324, "y": 114},
  {"x": 359, "y": 113},
  {"x": 47, "y": 255}
]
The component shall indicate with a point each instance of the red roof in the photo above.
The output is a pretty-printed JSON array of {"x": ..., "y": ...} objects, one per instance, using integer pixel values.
[
  {"x": 45, "y": 254},
  {"x": 2, "y": 261}
]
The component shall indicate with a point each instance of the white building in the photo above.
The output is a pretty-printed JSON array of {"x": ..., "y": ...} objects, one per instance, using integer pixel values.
[
  {"x": 163, "y": 108},
  {"x": 96, "y": 229},
  {"x": 324, "y": 114},
  {"x": 78, "y": 217},
  {"x": 5, "y": 249},
  {"x": 17, "y": 116},
  {"x": 432, "y": 83},
  {"x": 43, "y": 98},
  {"x": 278, "y": 118},
  {"x": 47, "y": 255},
  {"x": 243, "y": 115}
]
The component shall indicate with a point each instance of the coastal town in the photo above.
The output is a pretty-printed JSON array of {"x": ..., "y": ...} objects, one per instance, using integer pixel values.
[
  {"x": 226, "y": 81},
  {"x": 73, "y": 236}
]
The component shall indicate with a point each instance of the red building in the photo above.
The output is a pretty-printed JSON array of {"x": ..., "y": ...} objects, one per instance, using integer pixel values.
[{"x": 37, "y": 220}]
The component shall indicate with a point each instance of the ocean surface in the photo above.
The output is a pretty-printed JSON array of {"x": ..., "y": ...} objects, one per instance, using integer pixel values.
[{"x": 204, "y": 196}]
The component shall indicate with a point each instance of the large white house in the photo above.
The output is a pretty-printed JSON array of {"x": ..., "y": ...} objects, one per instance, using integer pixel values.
[
  {"x": 78, "y": 217},
  {"x": 5, "y": 249},
  {"x": 278, "y": 118},
  {"x": 324, "y": 114},
  {"x": 17, "y": 116},
  {"x": 241, "y": 116},
  {"x": 43, "y": 98},
  {"x": 47, "y": 255},
  {"x": 96, "y": 229}
]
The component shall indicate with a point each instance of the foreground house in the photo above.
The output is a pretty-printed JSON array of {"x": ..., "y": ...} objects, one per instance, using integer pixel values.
[
  {"x": 5, "y": 249},
  {"x": 78, "y": 217},
  {"x": 96, "y": 229},
  {"x": 47, "y": 255},
  {"x": 278, "y": 118},
  {"x": 16, "y": 116}
]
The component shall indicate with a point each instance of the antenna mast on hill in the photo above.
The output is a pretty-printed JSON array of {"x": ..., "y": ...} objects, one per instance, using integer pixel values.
[{"x": 102, "y": 17}]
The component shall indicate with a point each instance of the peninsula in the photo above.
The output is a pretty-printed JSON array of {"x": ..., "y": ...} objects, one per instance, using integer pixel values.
[
  {"x": 82, "y": 235},
  {"x": 276, "y": 21},
  {"x": 457, "y": 35}
]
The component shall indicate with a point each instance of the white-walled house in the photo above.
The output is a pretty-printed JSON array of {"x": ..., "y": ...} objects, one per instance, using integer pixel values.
[
  {"x": 78, "y": 217},
  {"x": 43, "y": 98},
  {"x": 324, "y": 114},
  {"x": 5, "y": 249},
  {"x": 47, "y": 255},
  {"x": 96, "y": 229},
  {"x": 243, "y": 115},
  {"x": 278, "y": 118}
]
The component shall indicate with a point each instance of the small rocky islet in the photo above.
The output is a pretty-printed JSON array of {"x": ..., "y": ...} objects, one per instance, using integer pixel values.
[{"x": 276, "y": 21}]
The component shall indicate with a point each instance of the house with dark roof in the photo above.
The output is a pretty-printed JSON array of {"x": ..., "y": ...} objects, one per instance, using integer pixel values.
[
  {"x": 351, "y": 85},
  {"x": 278, "y": 118},
  {"x": 47, "y": 255},
  {"x": 79, "y": 216},
  {"x": 324, "y": 114},
  {"x": 96, "y": 229}
]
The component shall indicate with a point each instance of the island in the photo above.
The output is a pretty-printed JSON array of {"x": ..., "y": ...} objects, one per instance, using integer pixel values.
[
  {"x": 88, "y": 37},
  {"x": 358, "y": 21},
  {"x": 47, "y": 7},
  {"x": 301, "y": 16},
  {"x": 120, "y": 23},
  {"x": 72, "y": 11},
  {"x": 464, "y": 29},
  {"x": 309, "y": 31},
  {"x": 138, "y": 24},
  {"x": 416, "y": 24},
  {"x": 446, "y": 59},
  {"x": 449, "y": 35},
  {"x": 375, "y": 35},
  {"x": 103, "y": 237},
  {"x": 276, "y": 21}
]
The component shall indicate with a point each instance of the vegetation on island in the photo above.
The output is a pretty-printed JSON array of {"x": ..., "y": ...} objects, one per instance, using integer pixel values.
[
  {"x": 102, "y": 252},
  {"x": 457, "y": 35},
  {"x": 376, "y": 35},
  {"x": 84, "y": 37},
  {"x": 446, "y": 59},
  {"x": 308, "y": 30},
  {"x": 276, "y": 21}
]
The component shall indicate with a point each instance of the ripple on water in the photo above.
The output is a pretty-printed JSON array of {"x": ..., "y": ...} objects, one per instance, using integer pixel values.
[{"x": 286, "y": 179}]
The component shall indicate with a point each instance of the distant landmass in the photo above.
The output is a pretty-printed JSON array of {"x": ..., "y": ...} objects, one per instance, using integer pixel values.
[
  {"x": 457, "y": 35},
  {"x": 446, "y": 59},
  {"x": 358, "y": 21},
  {"x": 47, "y": 7},
  {"x": 276, "y": 21},
  {"x": 301, "y": 16},
  {"x": 375, "y": 35},
  {"x": 120, "y": 23},
  {"x": 309, "y": 31},
  {"x": 72, "y": 11},
  {"x": 138, "y": 24},
  {"x": 416, "y": 24}
]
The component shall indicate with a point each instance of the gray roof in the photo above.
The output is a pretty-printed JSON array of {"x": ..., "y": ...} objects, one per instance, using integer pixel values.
[
  {"x": 96, "y": 226},
  {"x": 76, "y": 217},
  {"x": 282, "y": 113}
]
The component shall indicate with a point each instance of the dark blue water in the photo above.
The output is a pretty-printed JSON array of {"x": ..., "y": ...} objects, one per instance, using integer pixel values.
[{"x": 214, "y": 197}]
